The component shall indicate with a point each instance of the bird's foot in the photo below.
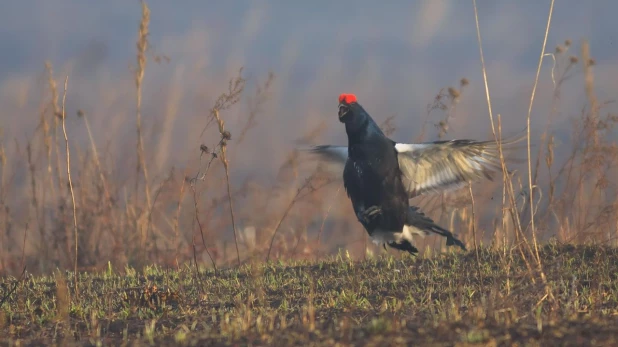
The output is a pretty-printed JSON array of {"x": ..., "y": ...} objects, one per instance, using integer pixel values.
[
  {"x": 370, "y": 213},
  {"x": 453, "y": 241},
  {"x": 404, "y": 245}
]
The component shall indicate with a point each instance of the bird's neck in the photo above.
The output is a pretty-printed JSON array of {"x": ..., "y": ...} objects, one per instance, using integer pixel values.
[{"x": 362, "y": 130}]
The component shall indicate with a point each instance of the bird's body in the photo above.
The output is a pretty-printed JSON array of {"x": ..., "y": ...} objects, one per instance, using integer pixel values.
[
  {"x": 381, "y": 175},
  {"x": 372, "y": 180}
]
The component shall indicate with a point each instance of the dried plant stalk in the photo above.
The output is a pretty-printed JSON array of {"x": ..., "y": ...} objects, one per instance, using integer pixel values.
[
  {"x": 70, "y": 181},
  {"x": 225, "y": 136},
  {"x": 142, "y": 47}
]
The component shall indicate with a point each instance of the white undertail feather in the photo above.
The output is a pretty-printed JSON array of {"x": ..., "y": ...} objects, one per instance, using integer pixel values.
[{"x": 407, "y": 233}]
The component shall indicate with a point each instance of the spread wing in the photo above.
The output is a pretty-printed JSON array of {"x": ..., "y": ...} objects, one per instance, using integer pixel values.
[
  {"x": 331, "y": 159},
  {"x": 431, "y": 167},
  {"x": 445, "y": 165},
  {"x": 332, "y": 154}
]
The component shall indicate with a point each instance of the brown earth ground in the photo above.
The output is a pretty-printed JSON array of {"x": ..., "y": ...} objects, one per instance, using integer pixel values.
[{"x": 490, "y": 298}]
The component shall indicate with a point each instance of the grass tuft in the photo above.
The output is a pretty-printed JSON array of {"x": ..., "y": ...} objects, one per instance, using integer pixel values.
[{"x": 383, "y": 300}]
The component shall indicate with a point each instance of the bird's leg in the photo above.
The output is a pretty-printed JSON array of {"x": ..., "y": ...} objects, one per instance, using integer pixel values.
[
  {"x": 370, "y": 213},
  {"x": 404, "y": 246}
]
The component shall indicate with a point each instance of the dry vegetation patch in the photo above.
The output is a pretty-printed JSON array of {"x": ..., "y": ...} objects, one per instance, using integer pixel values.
[{"x": 441, "y": 300}]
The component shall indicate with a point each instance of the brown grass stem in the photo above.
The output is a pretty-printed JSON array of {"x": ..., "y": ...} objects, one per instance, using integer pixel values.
[
  {"x": 530, "y": 184},
  {"x": 476, "y": 248},
  {"x": 142, "y": 47},
  {"x": 497, "y": 137},
  {"x": 330, "y": 206},
  {"x": 70, "y": 181},
  {"x": 225, "y": 136},
  {"x": 199, "y": 224},
  {"x": 297, "y": 197}
]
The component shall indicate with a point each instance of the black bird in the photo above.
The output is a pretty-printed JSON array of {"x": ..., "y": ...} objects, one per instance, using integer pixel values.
[{"x": 381, "y": 175}]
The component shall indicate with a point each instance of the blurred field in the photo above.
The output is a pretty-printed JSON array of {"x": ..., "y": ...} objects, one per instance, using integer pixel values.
[
  {"x": 122, "y": 181},
  {"x": 150, "y": 185}
]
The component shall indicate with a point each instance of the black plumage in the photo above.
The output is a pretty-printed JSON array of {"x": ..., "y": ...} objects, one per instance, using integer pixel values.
[
  {"x": 380, "y": 175},
  {"x": 373, "y": 181}
]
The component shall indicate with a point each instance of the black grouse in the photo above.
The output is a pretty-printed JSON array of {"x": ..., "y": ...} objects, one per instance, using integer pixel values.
[{"x": 381, "y": 175}]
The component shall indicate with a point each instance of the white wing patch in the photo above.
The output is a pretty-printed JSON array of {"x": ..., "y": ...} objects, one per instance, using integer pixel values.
[
  {"x": 446, "y": 165},
  {"x": 434, "y": 166},
  {"x": 409, "y": 147}
]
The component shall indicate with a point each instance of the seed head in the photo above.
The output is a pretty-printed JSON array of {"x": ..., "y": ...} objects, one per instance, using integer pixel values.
[
  {"x": 464, "y": 82},
  {"x": 454, "y": 93},
  {"x": 567, "y": 42},
  {"x": 573, "y": 59},
  {"x": 559, "y": 49},
  {"x": 226, "y": 135}
]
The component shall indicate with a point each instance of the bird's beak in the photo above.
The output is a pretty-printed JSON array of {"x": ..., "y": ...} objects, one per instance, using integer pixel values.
[{"x": 343, "y": 110}]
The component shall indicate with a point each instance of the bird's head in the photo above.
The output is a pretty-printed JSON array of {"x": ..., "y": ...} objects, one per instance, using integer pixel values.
[
  {"x": 348, "y": 108},
  {"x": 354, "y": 116}
]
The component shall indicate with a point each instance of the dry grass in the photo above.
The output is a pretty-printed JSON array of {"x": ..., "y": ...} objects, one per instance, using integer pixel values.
[
  {"x": 81, "y": 214},
  {"x": 69, "y": 180},
  {"x": 119, "y": 224},
  {"x": 385, "y": 301}
]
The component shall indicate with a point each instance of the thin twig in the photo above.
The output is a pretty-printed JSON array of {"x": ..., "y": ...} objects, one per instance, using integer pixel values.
[
  {"x": 197, "y": 219},
  {"x": 530, "y": 186},
  {"x": 177, "y": 215},
  {"x": 23, "y": 247},
  {"x": 35, "y": 203},
  {"x": 54, "y": 103},
  {"x": 12, "y": 290},
  {"x": 142, "y": 46},
  {"x": 97, "y": 161},
  {"x": 476, "y": 248},
  {"x": 104, "y": 183},
  {"x": 66, "y": 142},
  {"x": 536, "y": 80},
  {"x": 505, "y": 172},
  {"x": 154, "y": 201},
  {"x": 193, "y": 181},
  {"x": 197, "y": 269},
  {"x": 225, "y": 135},
  {"x": 255, "y": 107},
  {"x": 285, "y": 214},
  {"x": 324, "y": 221}
]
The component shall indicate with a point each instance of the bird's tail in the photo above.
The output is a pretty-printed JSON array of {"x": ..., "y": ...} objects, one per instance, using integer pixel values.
[{"x": 417, "y": 219}]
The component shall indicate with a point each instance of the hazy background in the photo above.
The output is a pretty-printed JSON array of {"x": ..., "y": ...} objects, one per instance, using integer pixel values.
[{"x": 394, "y": 55}]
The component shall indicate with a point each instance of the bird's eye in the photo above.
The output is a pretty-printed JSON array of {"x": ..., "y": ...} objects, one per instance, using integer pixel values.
[{"x": 343, "y": 109}]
